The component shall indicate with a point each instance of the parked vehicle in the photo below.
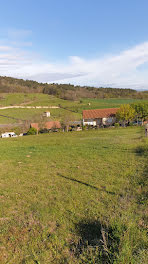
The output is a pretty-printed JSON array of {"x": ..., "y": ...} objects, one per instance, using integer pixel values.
[
  {"x": 135, "y": 123},
  {"x": 8, "y": 134}
]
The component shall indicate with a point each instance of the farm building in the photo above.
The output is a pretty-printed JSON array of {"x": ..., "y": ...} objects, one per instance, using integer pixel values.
[
  {"x": 46, "y": 114},
  {"x": 47, "y": 125},
  {"x": 99, "y": 117}
]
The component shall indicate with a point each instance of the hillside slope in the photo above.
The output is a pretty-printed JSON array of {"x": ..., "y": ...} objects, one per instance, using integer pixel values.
[{"x": 66, "y": 91}]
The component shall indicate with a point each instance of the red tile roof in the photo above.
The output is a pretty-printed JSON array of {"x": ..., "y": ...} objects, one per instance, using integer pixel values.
[
  {"x": 99, "y": 113},
  {"x": 35, "y": 125},
  {"x": 48, "y": 125},
  {"x": 52, "y": 124}
]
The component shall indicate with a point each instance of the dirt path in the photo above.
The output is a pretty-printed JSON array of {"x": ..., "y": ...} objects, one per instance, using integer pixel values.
[{"x": 27, "y": 107}]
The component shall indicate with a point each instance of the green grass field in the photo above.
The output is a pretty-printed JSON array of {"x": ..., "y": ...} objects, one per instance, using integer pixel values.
[
  {"x": 38, "y": 99},
  {"x": 34, "y": 99},
  {"x": 76, "y": 197},
  {"x": 98, "y": 103},
  {"x": 33, "y": 114},
  {"x": 48, "y": 100}
]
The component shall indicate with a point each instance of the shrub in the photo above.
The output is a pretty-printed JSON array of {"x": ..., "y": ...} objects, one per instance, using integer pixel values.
[
  {"x": 117, "y": 125},
  {"x": 44, "y": 130},
  {"x": 32, "y": 131},
  {"x": 17, "y": 130}
]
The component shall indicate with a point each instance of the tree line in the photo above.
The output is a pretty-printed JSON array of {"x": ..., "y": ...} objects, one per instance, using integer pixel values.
[
  {"x": 135, "y": 111},
  {"x": 66, "y": 91}
]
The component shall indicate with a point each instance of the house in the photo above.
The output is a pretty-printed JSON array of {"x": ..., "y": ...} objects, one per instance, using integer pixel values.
[
  {"x": 99, "y": 117},
  {"x": 47, "y": 125},
  {"x": 8, "y": 134},
  {"x": 46, "y": 114}
]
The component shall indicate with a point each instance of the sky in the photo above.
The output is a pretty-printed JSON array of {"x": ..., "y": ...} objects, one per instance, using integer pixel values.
[{"x": 82, "y": 42}]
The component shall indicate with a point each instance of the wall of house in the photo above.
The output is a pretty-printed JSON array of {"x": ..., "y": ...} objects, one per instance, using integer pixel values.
[
  {"x": 98, "y": 121},
  {"x": 89, "y": 122},
  {"x": 108, "y": 121}
]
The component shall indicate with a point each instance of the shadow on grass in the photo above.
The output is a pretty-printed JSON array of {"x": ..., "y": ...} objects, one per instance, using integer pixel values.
[
  {"x": 98, "y": 243},
  {"x": 143, "y": 179},
  {"x": 84, "y": 183},
  {"x": 141, "y": 150}
]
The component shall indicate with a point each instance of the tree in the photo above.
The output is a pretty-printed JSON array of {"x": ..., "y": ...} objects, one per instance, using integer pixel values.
[
  {"x": 32, "y": 131},
  {"x": 25, "y": 126},
  {"x": 66, "y": 120},
  {"x": 141, "y": 110},
  {"x": 126, "y": 113}
]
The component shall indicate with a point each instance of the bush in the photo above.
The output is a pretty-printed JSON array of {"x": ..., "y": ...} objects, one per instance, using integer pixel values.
[
  {"x": 17, "y": 130},
  {"x": 44, "y": 130},
  {"x": 32, "y": 131},
  {"x": 117, "y": 125}
]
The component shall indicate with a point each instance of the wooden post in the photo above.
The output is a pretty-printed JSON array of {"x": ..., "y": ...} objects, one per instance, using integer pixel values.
[{"x": 146, "y": 130}]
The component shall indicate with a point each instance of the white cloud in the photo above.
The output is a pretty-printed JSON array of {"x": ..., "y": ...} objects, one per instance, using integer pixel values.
[
  {"x": 119, "y": 70},
  {"x": 4, "y": 48}
]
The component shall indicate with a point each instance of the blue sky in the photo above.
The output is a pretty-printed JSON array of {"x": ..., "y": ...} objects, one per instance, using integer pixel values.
[{"x": 86, "y": 42}]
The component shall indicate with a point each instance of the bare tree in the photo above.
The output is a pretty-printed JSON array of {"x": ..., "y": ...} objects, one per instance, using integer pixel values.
[{"x": 66, "y": 120}]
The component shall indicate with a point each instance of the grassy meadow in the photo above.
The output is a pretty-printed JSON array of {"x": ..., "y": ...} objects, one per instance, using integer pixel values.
[
  {"x": 39, "y": 99},
  {"x": 76, "y": 197},
  {"x": 34, "y": 115},
  {"x": 34, "y": 99},
  {"x": 72, "y": 108}
]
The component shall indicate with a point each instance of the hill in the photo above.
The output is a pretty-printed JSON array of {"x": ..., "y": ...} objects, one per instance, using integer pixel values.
[
  {"x": 66, "y": 91},
  {"x": 66, "y": 107}
]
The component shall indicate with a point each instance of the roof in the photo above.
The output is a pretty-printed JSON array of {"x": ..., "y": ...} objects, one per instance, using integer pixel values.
[
  {"x": 35, "y": 125},
  {"x": 52, "y": 124},
  {"x": 48, "y": 125},
  {"x": 99, "y": 113}
]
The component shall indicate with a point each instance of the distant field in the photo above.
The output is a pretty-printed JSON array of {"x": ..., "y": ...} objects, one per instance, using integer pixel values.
[
  {"x": 75, "y": 197},
  {"x": 28, "y": 99},
  {"x": 47, "y": 100},
  {"x": 33, "y": 114},
  {"x": 99, "y": 103}
]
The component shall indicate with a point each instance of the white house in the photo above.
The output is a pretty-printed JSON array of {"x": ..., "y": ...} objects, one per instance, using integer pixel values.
[
  {"x": 46, "y": 114},
  {"x": 98, "y": 117}
]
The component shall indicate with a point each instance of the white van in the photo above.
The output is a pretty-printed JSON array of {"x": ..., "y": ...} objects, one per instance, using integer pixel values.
[{"x": 8, "y": 134}]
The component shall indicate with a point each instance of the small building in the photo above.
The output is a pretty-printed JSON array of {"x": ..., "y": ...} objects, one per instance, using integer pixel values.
[
  {"x": 52, "y": 124},
  {"x": 47, "y": 125},
  {"x": 100, "y": 117},
  {"x": 8, "y": 135},
  {"x": 46, "y": 114}
]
